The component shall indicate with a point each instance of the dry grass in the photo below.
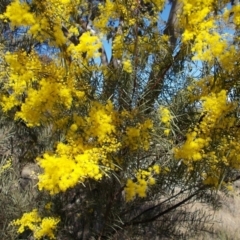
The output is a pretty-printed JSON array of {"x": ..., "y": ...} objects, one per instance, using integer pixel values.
[{"x": 226, "y": 220}]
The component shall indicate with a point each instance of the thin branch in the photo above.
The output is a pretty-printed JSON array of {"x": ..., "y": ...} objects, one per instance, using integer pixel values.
[{"x": 131, "y": 222}]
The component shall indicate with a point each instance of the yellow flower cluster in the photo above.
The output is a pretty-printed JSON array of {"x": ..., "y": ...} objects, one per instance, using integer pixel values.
[
  {"x": 108, "y": 7},
  {"x": 201, "y": 29},
  {"x": 52, "y": 14},
  {"x": 211, "y": 180},
  {"x": 165, "y": 117},
  {"x": 48, "y": 206},
  {"x": 117, "y": 48},
  {"x": 54, "y": 11},
  {"x": 127, "y": 66},
  {"x": 100, "y": 122},
  {"x": 235, "y": 13},
  {"x": 215, "y": 131},
  {"x": 227, "y": 151},
  {"x": 215, "y": 107},
  {"x": 192, "y": 149},
  {"x": 64, "y": 171},
  {"x": 88, "y": 47},
  {"x": 138, "y": 137},
  {"x": 118, "y": 8},
  {"x": 45, "y": 87},
  {"x": 5, "y": 165},
  {"x": 41, "y": 227},
  {"x": 19, "y": 15},
  {"x": 80, "y": 157},
  {"x": 144, "y": 178}
]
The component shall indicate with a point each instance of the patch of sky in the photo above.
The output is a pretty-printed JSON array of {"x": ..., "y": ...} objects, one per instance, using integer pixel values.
[{"x": 165, "y": 13}]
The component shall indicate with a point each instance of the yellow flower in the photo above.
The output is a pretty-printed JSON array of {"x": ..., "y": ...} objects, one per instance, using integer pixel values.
[
  {"x": 74, "y": 127},
  {"x": 130, "y": 191},
  {"x": 165, "y": 115},
  {"x": 40, "y": 227},
  {"x": 89, "y": 45},
  {"x": 28, "y": 220},
  {"x": 46, "y": 228},
  {"x": 48, "y": 206},
  {"x": 19, "y": 15},
  {"x": 127, "y": 66},
  {"x": 152, "y": 181},
  {"x": 156, "y": 169},
  {"x": 140, "y": 187},
  {"x": 166, "y": 132}
]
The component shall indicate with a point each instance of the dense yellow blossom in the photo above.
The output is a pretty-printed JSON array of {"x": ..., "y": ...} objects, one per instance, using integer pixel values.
[
  {"x": 192, "y": 148},
  {"x": 88, "y": 45},
  {"x": 144, "y": 179},
  {"x": 215, "y": 107},
  {"x": 29, "y": 76},
  {"x": 64, "y": 172},
  {"x": 19, "y": 15},
  {"x": 46, "y": 228},
  {"x": 80, "y": 96},
  {"x": 41, "y": 227},
  {"x": 201, "y": 29},
  {"x": 80, "y": 158},
  {"x": 100, "y": 121},
  {"x": 108, "y": 7},
  {"x": 28, "y": 220}
]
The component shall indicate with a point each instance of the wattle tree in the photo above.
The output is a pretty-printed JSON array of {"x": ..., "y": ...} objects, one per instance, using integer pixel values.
[{"x": 131, "y": 116}]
